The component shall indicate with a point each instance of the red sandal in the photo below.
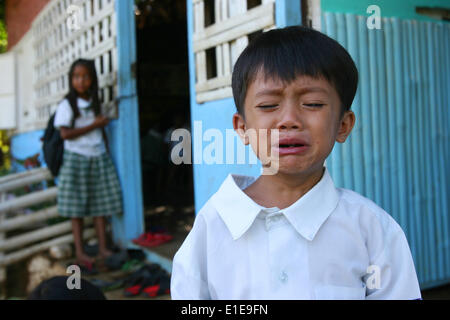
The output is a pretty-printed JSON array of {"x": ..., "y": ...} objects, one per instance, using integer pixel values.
[
  {"x": 163, "y": 287},
  {"x": 150, "y": 239}
]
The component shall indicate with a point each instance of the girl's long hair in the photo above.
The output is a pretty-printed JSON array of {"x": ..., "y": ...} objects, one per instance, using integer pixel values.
[{"x": 93, "y": 90}]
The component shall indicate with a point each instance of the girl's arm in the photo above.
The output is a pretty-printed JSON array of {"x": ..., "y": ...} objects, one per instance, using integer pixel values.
[{"x": 73, "y": 133}]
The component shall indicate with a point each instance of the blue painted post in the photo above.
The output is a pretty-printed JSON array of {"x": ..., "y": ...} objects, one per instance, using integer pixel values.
[
  {"x": 287, "y": 13},
  {"x": 193, "y": 104},
  {"x": 125, "y": 131}
]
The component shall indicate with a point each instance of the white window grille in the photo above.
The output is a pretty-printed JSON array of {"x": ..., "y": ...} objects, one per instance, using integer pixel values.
[
  {"x": 222, "y": 29},
  {"x": 64, "y": 31}
]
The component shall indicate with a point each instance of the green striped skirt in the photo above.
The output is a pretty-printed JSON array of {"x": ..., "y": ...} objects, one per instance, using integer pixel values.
[{"x": 88, "y": 186}]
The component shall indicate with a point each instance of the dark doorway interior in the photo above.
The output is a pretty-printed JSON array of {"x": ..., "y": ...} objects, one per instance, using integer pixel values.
[{"x": 163, "y": 89}]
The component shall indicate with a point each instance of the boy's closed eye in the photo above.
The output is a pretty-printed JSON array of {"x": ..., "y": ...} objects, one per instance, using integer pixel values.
[
  {"x": 312, "y": 105},
  {"x": 268, "y": 106}
]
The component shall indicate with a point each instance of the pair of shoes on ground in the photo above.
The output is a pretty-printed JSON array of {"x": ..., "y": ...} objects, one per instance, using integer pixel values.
[
  {"x": 87, "y": 268},
  {"x": 92, "y": 250},
  {"x": 125, "y": 260},
  {"x": 150, "y": 280},
  {"x": 107, "y": 285},
  {"x": 152, "y": 239}
]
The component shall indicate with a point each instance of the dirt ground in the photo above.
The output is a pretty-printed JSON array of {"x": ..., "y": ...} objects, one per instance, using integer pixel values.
[{"x": 438, "y": 293}]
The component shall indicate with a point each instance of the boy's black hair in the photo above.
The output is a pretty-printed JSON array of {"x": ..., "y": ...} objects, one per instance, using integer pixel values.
[
  {"x": 93, "y": 90},
  {"x": 56, "y": 289},
  {"x": 287, "y": 53}
]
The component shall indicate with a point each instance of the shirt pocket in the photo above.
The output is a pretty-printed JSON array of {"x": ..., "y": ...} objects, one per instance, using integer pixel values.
[{"x": 328, "y": 292}]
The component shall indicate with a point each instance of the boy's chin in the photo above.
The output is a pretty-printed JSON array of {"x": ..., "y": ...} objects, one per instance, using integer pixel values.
[
  {"x": 292, "y": 168},
  {"x": 274, "y": 169}
]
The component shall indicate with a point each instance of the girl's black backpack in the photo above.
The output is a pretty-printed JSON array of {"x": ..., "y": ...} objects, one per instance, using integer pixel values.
[{"x": 53, "y": 147}]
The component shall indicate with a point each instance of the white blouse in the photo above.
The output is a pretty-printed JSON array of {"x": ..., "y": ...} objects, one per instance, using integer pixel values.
[{"x": 90, "y": 144}]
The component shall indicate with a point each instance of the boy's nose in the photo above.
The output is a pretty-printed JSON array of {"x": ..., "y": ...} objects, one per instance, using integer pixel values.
[{"x": 290, "y": 119}]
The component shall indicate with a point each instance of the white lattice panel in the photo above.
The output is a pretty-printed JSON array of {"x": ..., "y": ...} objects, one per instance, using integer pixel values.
[
  {"x": 64, "y": 31},
  {"x": 221, "y": 32}
]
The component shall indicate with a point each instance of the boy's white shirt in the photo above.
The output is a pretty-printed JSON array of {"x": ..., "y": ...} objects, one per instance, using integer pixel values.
[
  {"x": 332, "y": 243},
  {"x": 90, "y": 144}
]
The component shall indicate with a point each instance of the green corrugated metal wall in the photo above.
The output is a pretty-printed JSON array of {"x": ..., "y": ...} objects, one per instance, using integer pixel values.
[{"x": 398, "y": 153}]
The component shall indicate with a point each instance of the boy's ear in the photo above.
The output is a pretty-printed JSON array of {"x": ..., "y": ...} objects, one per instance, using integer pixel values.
[
  {"x": 239, "y": 127},
  {"x": 345, "y": 126}
]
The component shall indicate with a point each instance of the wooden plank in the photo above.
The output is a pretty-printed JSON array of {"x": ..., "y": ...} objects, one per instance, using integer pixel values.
[
  {"x": 215, "y": 83},
  {"x": 28, "y": 200},
  {"x": 226, "y": 59},
  {"x": 219, "y": 61},
  {"x": 214, "y": 95},
  {"x": 237, "y": 47},
  {"x": 28, "y": 219},
  {"x": 201, "y": 16},
  {"x": 235, "y": 7},
  {"x": 25, "y": 253},
  {"x": 217, "y": 9},
  {"x": 234, "y": 21},
  {"x": 2, "y": 256},
  {"x": 237, "y": 32},
  {"x": 25, "y": 181},
  {"x": 22, "y": 175},
  {"x": 92, "y": 22},
  {"x": 224, "y": 10},
  {"x": 91, "y": 53},
  {"x": 201, "y": 66},
  {"x": 35, "y": 236}
]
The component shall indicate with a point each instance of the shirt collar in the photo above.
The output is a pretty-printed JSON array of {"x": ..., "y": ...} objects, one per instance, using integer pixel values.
[
  {"x": 307, "y": 214},
  {"x": 236, "y": 209},
  {"x": 84, "y": 104}
]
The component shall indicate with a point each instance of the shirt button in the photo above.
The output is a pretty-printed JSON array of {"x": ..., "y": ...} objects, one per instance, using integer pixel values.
[{"x": 283, "y": 277}]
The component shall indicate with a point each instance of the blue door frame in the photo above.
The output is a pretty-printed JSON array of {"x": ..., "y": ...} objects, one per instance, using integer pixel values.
[{"x": 124, "y": 132}]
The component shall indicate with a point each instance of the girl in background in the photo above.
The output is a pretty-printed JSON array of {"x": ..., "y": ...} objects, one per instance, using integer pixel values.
[{"x": 88, "y": 184}]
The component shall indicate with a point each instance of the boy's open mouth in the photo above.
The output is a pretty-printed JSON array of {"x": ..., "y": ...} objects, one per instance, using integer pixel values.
[
  {"x": 291, "y": 145},
  {"x": 291, "y": 142},
  {"x": 288, "y": 146}
]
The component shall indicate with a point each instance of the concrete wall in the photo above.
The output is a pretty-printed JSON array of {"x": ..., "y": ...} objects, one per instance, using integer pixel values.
[{"x": 25, "y": 94}]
